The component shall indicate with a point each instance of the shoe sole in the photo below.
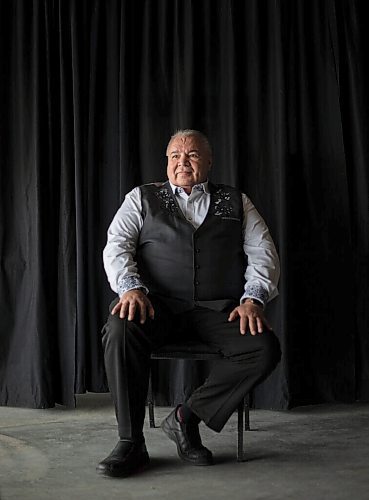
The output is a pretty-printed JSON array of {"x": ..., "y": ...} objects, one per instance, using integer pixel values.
[
  {"x": 173, "y": 436},
  {"x": 141, "y": 467}
]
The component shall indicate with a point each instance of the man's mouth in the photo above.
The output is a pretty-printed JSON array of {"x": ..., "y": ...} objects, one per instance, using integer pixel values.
[{"x": 189, "y": 171}]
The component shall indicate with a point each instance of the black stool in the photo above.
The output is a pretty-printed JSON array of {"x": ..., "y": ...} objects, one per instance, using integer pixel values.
[{"x": 198, "y": 351}]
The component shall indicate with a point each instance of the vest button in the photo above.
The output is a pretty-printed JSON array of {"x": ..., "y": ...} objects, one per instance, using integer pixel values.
[
  {"x": 197, "y": 250},
  {"x": 197, "y": 266},
  {"x": 197, "y": 283}
]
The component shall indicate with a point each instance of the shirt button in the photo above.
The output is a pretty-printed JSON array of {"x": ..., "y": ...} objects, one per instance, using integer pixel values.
[{"x": 190, "y": 218}]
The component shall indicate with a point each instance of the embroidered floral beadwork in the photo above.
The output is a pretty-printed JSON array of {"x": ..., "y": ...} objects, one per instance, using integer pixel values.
[
  {"x": 256, "y": 292},
  {"x": 129, "y": 283},
  {"x": 166, "y": 201},
  {"x": 222, "y": 203}
]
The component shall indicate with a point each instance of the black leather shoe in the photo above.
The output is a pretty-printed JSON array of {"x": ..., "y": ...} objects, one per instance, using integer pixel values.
[
  {"x": 127, "y": 458},
  {"x": 188, "y": 441}
]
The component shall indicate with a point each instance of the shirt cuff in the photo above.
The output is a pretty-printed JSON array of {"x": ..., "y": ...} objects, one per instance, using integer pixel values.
[
  {"x": 257, "y": 292},
  {"x": 127, "y": 283}
]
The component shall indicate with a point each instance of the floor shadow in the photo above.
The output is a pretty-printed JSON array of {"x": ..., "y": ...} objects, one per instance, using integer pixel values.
[{"x": 161, "y": 462}]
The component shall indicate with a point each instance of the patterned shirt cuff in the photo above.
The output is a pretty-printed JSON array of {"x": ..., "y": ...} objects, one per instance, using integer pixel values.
[
  {"x": 256, "y": 292},
  {"x": 130, "y": 283}
]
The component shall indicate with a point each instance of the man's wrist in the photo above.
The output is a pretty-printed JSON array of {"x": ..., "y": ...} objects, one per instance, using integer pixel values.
[
  {"x": 253, "y": 301},
  {"x": 131, "y": 283},
  {"x": 256, "y": 292}
]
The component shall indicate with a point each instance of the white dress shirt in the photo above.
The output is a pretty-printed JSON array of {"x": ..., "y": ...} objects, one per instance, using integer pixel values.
[{"x": 262, "y": 271}]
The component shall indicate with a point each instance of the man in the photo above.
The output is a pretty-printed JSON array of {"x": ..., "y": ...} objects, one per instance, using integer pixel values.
[{"x": 188, "y": 259}]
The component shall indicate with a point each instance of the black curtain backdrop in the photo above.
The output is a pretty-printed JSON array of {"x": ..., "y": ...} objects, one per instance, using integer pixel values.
[{"x": 90, "y": 92}]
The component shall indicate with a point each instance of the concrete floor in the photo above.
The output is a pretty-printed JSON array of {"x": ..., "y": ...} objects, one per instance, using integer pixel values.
[{"x": 317, "y": 452}]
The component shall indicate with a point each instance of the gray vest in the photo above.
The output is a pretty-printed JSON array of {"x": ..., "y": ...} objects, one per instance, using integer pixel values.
[{"x": 185, "y": 266}]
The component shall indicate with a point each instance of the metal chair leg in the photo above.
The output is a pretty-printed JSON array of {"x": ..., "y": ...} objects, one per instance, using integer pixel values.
[
  {"x": 247, "y": 412},
  {"x": 240, "y": 452},
  {"x": 150, "y": 402}
]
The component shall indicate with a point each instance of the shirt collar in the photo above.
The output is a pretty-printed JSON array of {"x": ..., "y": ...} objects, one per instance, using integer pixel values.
[{"x": 203, "y": 186}]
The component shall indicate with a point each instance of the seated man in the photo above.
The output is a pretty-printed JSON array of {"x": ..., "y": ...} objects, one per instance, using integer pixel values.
[{"x": 188, "y": 259}]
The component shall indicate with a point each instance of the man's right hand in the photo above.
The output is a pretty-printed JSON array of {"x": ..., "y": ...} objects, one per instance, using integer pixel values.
[{"x": 132, "y": 301}]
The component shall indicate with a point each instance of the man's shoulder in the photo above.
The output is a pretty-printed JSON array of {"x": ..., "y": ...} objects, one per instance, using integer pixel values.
[{"x": 144, "y": 190}]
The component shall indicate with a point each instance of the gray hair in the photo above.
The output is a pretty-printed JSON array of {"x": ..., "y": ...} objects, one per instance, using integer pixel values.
[{"x": 187, "y": 132}]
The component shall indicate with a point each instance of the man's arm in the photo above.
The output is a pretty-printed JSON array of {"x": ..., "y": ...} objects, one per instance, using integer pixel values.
[
  {"x": 262, "y": 272},
  {"x": 119, "y": 259}
]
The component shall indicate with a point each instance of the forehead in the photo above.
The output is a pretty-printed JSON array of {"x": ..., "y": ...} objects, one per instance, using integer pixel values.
[{"x": 185, "y": 143}]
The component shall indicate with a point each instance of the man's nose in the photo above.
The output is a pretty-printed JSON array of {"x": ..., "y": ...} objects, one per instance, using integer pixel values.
[{"x": 184, "y": 159}]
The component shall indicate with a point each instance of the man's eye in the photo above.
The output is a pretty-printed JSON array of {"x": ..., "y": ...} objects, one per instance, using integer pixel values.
[
  {"x": 194, "y": 155},
  {"x": 174, "y": 156}
]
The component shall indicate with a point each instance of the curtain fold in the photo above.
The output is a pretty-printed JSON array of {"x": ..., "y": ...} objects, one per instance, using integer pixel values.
[{"x": 90, "y": 92}]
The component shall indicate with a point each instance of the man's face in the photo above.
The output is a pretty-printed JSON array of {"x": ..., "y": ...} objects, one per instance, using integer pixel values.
[{"x": 189, "y": 162}]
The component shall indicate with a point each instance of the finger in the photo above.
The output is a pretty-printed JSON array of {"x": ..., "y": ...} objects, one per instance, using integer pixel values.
[
  {"x": 151, "y": 310},
  {"x": 116, "y": 308},
  {"x": 233, "y": 315},
  {"x": 123, "y": 309},
  {"x": 142, "y": 307},
  {"x": 260, "y": 325},
  {"x": 243, "y": 324},
  {"x": 132, "y": 311},
  {"x": 252, "y": 326}
]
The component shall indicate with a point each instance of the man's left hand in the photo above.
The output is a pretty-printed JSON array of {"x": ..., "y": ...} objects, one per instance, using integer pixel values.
[{"x": 252, "y": 316}]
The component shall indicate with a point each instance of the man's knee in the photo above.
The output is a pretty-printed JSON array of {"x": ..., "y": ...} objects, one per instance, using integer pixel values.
[
  {"x": 116, "y": 330},
  {"x": 120, "y": 334},
  {"x": 113, "y": 331}
]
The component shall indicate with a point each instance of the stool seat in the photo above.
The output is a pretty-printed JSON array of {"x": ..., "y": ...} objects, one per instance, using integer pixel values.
[{"x": 194, "y": 350}]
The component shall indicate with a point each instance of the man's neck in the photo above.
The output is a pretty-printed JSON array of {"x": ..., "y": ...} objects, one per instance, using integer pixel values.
[{"x": 188, "y": 189}]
